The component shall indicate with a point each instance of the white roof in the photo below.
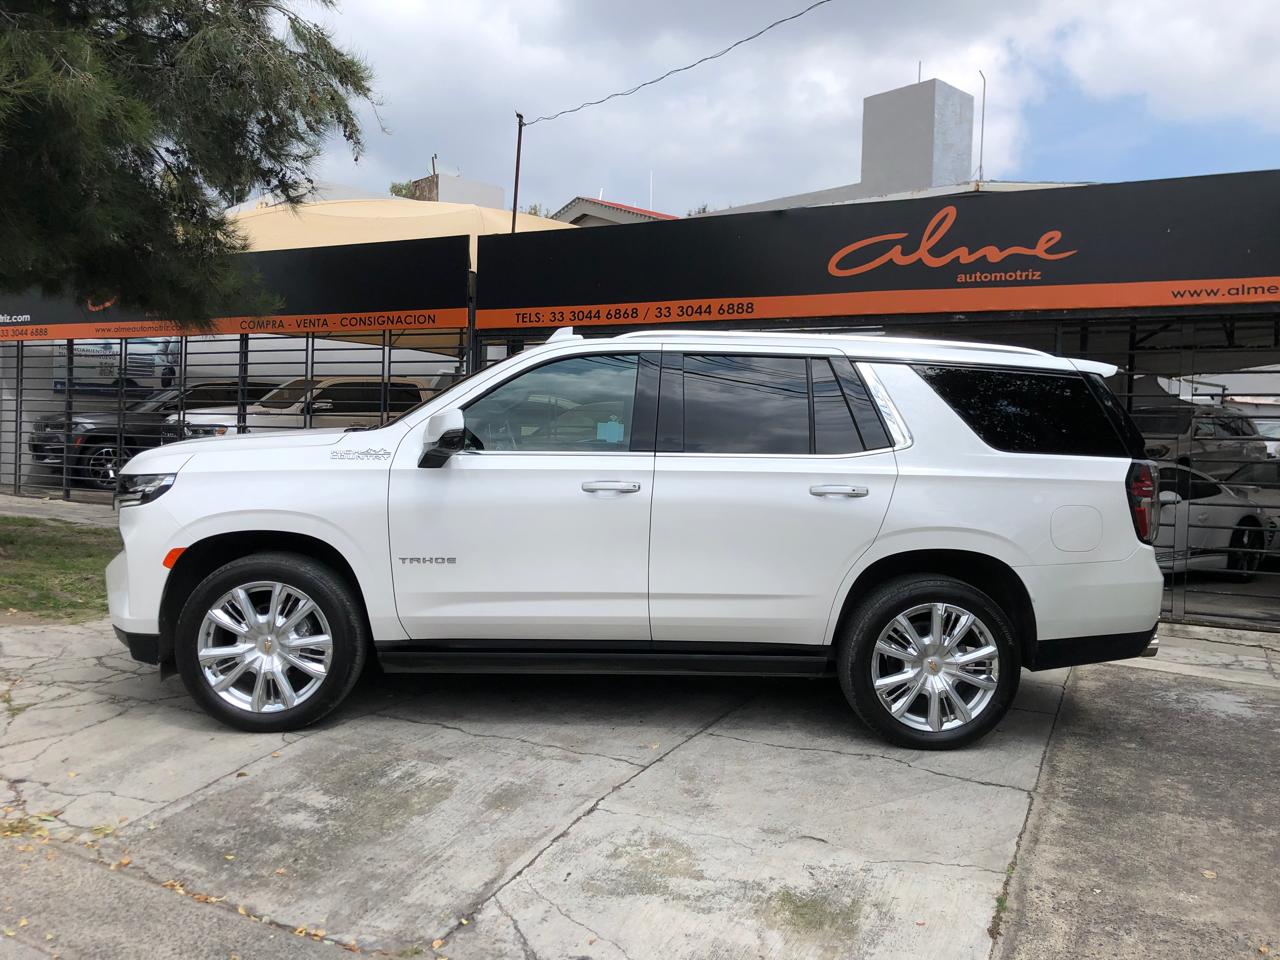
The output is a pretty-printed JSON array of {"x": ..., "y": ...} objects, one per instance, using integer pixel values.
[{"x": 886, "y": 348}]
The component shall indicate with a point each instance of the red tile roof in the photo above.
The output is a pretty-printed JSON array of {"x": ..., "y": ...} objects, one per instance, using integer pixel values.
[{"x": 630, "y": 209}]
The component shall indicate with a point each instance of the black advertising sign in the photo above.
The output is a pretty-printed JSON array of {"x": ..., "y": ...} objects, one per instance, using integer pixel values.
[
  {"x": 396, "y": 285},
  {"x": 1157, "y": 243}
]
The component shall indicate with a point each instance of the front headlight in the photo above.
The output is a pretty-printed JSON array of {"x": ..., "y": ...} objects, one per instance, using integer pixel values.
[
  {"x": 192, "y": 430},
  {"x": 135, "y": 488}
]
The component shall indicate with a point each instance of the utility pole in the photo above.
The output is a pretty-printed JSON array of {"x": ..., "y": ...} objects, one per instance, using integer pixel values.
[
  {"x": 515, "y": 190},
  {"x": 982, "y": 125}
]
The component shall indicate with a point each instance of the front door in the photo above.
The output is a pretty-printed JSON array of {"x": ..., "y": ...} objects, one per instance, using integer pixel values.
[
  {"x": 540, "y": 529},
  {"x": 771, "y": 481}
]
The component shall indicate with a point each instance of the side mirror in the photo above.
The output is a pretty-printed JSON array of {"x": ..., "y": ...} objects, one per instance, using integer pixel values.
[
  {"x": 1168, "y": 498},
  {"x": 446, "y": 434}
]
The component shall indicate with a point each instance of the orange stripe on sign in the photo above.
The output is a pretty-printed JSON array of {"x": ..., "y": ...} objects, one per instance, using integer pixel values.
[
  {"x": 959, "y": 299},
  {"x": 172, "y": 556},
  {"x": 452, "y": 318}
]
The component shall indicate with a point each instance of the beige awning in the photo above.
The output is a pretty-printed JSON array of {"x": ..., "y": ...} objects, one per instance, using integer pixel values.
[{"x": 336, "y": 222}]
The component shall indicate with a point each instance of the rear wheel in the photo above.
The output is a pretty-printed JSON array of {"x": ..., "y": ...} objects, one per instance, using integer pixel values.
[
  {"x": 271, "y": 642},
  {"x": 929, "y": 662}
]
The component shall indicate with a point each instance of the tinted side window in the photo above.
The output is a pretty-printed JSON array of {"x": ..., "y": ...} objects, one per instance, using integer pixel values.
[
  {"x": 1202, "y": 488},
  {"x": 402, "y": 397},
  {"x": 833, "y": 428},
  {"x": 874, "y": 434},
  {"x": 1028, "y": 411},
  {"x": 746, "y": 404},
  {"x": 352, "y": 397},
  {"x": 212, "y": 396},
  {"x": 580, "y": 404}
]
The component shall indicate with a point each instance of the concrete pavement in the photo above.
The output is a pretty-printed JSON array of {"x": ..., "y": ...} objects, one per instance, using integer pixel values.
[
  {"x": 1156, "y": 829},
  {"x": 584, "y": 817},
  {"x": 539, "y": 817}
]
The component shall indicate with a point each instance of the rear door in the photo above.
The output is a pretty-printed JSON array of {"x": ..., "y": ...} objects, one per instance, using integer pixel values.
[{"x": 772, "y": 476}]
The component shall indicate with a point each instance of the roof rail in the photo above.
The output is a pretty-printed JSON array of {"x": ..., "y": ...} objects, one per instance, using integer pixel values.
[{"x": 771, "y": 335}]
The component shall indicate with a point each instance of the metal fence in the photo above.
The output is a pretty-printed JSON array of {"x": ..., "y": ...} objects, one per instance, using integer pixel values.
[{"x": 73, "y": 411}]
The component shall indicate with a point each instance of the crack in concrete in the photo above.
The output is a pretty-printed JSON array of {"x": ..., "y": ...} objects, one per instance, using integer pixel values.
[
  {"x": 872, "y": 756},
  {"x": 73, "y": 795},
  {"x": 591, "y": 808},
  {"x": 525, "y": 946},
  {"x": 577, "y": 923},
  {"x": 502, "y": 736},
  {"x": 934, "y": 863}
]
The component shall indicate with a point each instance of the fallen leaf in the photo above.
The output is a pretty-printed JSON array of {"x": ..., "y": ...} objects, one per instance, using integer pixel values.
[
  {"x": 242, "y": 911},
  {"x": 465, "y": 921},
  {"x": 1264, "y": 949},
  {"x": 437, "y": 944},
  {"x": 22, "y": 922},
  {"x": 10, "y": 933},
  {"x": 300, "y": 932},
  {"x": 919, "y": 923},
  {"x": 242, "y": 773},
  {"x": 276, "y": 753},
  {"x": 48, "y": 936},
  {"x": 281, "y": 871},
  {"x": 228, "y": 856},
  {"x": 1209, "y": 874},
  {"x": 72, "y": 773}
]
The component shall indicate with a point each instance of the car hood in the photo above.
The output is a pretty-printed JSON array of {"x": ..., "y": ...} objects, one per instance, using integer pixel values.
[{"x": 171, "y": 457}]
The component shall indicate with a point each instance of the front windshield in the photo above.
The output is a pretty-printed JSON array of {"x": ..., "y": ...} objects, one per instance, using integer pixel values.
[
  {"x": 292, "y": 392},
  {"x": 156, "y": 401}
]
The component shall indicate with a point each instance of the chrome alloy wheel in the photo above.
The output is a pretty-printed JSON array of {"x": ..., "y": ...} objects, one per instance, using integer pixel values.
[
  {"x": 264, "y": 647},
  {"x": 935, "y": 667}
]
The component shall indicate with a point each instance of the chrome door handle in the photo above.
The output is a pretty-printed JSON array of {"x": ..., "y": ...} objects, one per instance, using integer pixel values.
[
  {"x": 838, "y": 490},
  {"x": 610, "y": 486}
]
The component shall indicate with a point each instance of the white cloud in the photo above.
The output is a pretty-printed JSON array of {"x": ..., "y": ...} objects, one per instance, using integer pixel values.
[{"x": 777, "y": 116}]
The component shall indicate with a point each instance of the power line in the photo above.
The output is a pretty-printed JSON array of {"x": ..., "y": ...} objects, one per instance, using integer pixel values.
[{"x": 669, "y": 73}]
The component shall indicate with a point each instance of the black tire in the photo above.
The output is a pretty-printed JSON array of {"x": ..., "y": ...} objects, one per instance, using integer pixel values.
[
  {"x": 100, "y": 461},
  {"x": 873, "y": 615},
  {"x": 1242, "y": 557},
  {"x": 337, "y": 601}
]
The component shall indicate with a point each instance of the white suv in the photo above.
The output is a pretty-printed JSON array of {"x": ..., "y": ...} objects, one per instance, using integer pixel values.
[{"x": 922, "y": 519}]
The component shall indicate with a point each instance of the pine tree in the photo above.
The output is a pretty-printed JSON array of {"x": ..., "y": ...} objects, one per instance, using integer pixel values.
[{"x": 127, "y": 127}]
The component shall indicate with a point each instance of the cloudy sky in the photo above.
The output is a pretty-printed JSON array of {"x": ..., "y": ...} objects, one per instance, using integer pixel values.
[{"x": 1077, "y": 90}]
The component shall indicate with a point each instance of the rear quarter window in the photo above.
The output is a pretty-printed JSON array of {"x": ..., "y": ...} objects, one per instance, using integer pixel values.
[{"x": 1028, "y": 411}]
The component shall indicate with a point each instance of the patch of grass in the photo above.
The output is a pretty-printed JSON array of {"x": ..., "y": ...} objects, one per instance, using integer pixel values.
[
  {"x": 814, "y": 911},
  {"x": 54, "y": 569}
]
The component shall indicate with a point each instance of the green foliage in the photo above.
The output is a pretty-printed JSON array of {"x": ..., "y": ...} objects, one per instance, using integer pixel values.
[
  {"x": 401, "y": 188},
  {"x": 536, "y": 210},
  {"x": 699, "y": 210},
  {"x": 128, "y": 126}
]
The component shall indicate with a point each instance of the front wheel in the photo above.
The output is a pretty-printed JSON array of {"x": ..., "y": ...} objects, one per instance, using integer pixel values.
[
  {"x": 99, "y": 464},
  {"x": 271, "y": 642},
  {"x": 929, "y": 662},
  {"x": 1244, "y": 552}
]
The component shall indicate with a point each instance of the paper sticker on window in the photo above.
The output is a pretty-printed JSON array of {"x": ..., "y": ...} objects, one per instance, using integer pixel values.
[{"x": 610, "y": 431}]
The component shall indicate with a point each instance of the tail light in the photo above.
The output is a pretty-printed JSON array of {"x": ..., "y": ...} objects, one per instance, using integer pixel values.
[{"x": 1140, "y": 484}]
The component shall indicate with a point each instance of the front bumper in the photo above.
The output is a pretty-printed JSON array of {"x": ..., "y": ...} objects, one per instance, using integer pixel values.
[{"x": 143, "y": 647}]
